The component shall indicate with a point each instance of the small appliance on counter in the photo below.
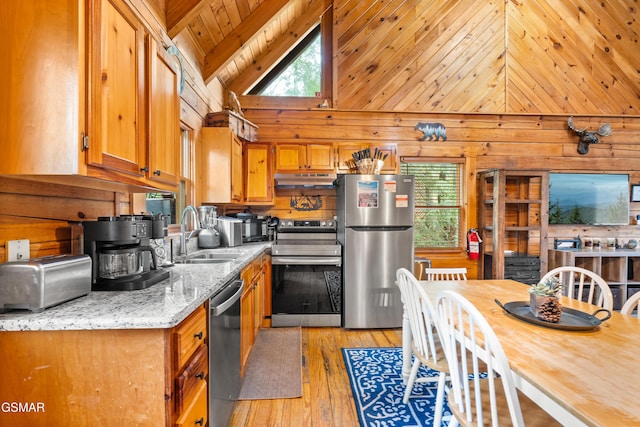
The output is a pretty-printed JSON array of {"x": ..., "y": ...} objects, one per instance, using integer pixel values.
[
  {"x": 39, "y": 283},
  {"x": 119, "y": 247},
  {"x": 208, "y": 237},
  {"x": 254, "y": 229},
  {"x": 230, "y": 231}
]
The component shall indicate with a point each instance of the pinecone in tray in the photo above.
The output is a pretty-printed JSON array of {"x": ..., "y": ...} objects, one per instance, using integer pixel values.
[
  {"x": 545, "y": 304},
  {"x": 550, "y": 310}
]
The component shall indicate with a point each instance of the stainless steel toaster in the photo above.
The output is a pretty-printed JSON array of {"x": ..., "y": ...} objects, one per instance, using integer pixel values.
[
  {"x": 39, "y": 283},
  {"x": 230, "y": 231}
]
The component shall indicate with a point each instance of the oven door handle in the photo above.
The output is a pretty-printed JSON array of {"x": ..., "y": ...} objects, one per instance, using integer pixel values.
[{"x": 300, "y": 260}]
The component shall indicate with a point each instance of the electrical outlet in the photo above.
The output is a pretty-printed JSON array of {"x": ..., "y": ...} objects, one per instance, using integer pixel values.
[{"x": 17, "y": 250}]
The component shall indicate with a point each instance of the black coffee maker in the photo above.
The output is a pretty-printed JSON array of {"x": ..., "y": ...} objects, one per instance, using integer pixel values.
[{"x": 122, "y": 259}]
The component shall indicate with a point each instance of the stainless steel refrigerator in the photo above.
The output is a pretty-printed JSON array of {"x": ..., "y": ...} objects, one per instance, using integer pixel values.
[{"x": 375, "y": 228}]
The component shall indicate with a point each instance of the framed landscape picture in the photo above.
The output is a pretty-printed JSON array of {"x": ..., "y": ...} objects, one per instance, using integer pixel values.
[{"x": 589, "y": 198}]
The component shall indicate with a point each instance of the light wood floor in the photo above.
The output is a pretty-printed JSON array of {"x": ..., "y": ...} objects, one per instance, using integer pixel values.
[{"x": 326, "y": 393}]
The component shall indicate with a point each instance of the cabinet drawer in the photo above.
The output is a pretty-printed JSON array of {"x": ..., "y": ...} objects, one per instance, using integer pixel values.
[
  {"x": 533, "y": 262},
  {"x": 196, "y": 372},
  {"x": 195, "y": 413},
  {"x": 188, "y": 336}
]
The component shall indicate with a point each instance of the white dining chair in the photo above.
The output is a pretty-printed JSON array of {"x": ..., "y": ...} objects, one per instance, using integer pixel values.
[
  {"x": 425, "y": 345},
  {"x": 632, "y": 303},
  {"x": 582, "y": 284},
  {"x": 483, "y": 391},
  {"x": 458, "y": 273}
]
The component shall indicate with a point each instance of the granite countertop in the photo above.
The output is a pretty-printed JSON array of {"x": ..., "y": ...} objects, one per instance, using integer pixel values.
[{"x": 163, "y": 305}]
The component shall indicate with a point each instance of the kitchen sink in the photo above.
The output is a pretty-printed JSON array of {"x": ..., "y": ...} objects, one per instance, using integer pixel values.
[
  {"x": 209, "y": 257},
  {"x": 196, "y": 260},
  {"x": 217, "y": 255}
]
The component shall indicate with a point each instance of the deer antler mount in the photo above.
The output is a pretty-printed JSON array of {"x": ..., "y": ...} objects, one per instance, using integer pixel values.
[{"x": 587, "y": 138}]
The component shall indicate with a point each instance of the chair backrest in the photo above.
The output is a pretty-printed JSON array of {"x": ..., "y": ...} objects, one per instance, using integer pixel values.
[
  {"x": 584, "y": 285},
  {"x": 445, "y": 273},
  {"x": 631, "y": 304},
  {"x": 477, "y": 364},
  {"x": 421, "y": 313}
]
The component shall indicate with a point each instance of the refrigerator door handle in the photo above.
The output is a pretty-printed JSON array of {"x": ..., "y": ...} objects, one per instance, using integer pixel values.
[{"x": 380, "y": 228}]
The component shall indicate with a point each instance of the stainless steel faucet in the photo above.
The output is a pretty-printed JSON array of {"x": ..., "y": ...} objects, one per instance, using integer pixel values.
[{"x": 184, "y": 239}]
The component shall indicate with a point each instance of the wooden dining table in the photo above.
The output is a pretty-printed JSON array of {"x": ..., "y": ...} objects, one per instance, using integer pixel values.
[{"x": 581, "y": 377}]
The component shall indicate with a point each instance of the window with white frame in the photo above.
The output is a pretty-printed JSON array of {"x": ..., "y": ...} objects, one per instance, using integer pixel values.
[{"x": 438, "y": 216}]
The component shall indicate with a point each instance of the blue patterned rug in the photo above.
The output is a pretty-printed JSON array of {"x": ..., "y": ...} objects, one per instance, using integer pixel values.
[{"x": 376, "y": 382}]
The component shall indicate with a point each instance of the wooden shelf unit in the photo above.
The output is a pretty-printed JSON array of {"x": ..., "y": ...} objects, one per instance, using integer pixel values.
[
  {"x": 513, "y": 218},
  {"x": 620, "y": 268}
]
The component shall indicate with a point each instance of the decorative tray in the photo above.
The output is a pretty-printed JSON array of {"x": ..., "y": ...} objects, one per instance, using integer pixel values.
[{"x": 570, "y": 320}]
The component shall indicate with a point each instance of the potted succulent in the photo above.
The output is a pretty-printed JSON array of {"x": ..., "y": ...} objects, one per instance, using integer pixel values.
[{"x": 545, "y": 303}]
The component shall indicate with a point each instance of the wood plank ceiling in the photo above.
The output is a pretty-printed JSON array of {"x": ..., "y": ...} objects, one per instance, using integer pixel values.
[
  {"x": 486, "y": 56},
  {"x": 235, "y": 38}
]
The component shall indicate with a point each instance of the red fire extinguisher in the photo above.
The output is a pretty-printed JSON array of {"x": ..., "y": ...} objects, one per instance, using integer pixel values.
[{"x": 473, "y": 244}]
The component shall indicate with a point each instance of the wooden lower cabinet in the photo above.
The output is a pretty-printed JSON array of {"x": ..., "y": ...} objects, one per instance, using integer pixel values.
[
  {"x": 190, "y": 371},
  {"x": 252, "y": 305},
  {"x": 123, "y": 377}
]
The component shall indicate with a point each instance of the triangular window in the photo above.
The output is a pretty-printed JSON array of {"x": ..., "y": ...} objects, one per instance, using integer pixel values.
[{"x": 297, "y": 74}]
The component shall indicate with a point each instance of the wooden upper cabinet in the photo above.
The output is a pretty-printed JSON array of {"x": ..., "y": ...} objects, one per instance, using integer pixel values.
[
  {"x": 42, "y": 84},
  {"x": 117, "y": 122},
  {"x": 345, "y": 158},
  {"x": 220, "y": 176},
  {"x": 304, "y": 157},
  {"x": 75, "y": 96},
  {"x": 290, "y": 157},
  {"x": 391, "y": 162},
  {"x": 320, "y": 157},
  {"x": 164, "y": 116},
  {"x": 258, "y": 173}
]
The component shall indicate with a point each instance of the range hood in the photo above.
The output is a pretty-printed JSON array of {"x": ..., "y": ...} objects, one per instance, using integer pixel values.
[{"x": 305, "y": 180}]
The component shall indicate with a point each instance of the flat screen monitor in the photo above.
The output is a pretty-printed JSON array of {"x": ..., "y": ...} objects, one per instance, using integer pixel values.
[{"x": 588, "y": 198}]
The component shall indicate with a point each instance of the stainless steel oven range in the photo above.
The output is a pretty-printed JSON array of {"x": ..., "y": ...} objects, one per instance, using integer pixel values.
[{"x": 307, "y": 274}]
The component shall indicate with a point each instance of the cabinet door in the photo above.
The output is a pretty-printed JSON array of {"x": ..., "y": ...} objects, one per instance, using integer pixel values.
[
  {"x": 258, "y": 303},
  {"x": 320, "y": 157},
  {"x": 266, "y": 294},
  {"x": 290, "y": 157},
  {"x": 164, "y": 117},
  {"x": 258, "y": 174},
  {"x": 391, "y": 162},
  {"x": 345, "y": 156},
  {"x": 117, "y": 98},
  {"x": 246, "y": 324},
  {"x": 237, "y": 178},
  {"x": 220, "y": 178},
  {"x": 42, "y": 87}
]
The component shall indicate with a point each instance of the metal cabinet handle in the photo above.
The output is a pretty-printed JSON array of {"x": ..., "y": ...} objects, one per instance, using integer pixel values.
[
  {"x": 199, "y": 335},
  {"x": 144, "y": 169},
  {"x": 157, "y": 172},
  {"x": 200, "y": 375},
  {"x": 200, "y": 421}
]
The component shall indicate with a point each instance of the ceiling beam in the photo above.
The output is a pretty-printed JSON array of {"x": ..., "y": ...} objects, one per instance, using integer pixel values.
[
  {"x": 224, "y": 51},
  {"x": 280, "y": 47},
  {"x": 181, "y": 12}
]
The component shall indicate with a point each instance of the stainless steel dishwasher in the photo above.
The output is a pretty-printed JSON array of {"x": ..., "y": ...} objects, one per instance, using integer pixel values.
[{"x": 224, "y": 352}]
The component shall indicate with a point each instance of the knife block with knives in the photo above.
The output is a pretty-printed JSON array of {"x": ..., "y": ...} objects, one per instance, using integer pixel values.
[{"x": 368, "y": 164}]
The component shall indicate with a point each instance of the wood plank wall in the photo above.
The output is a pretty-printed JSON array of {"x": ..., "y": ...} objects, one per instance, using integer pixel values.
[
  {"x": 484, "y": 141},
  {"x": 50, "y": 215}
]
